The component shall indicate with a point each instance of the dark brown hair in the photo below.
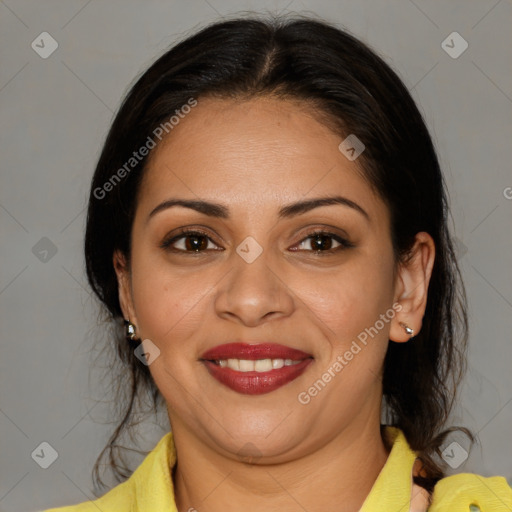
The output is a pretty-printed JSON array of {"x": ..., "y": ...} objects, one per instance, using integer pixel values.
[{"x": 358, "y": 93}]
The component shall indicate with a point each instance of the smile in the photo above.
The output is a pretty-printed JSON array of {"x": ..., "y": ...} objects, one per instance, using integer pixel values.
[{"x": 258, "y": 369}]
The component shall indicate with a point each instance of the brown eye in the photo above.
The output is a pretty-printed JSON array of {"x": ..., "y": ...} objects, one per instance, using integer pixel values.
[
  {"x": 188, "y": 241},
  {"x": 195, "y": 242},
  {"x": 323, "y": 242}
]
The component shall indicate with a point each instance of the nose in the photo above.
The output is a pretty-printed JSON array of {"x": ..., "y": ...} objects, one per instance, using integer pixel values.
[{"x": 253, "y": 292}]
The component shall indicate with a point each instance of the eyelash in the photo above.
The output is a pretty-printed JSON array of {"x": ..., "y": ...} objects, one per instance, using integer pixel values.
[{"x": 184, "y": 233}]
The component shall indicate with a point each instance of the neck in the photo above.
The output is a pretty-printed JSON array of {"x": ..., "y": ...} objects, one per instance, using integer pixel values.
[{"x": 343, "y": 470}]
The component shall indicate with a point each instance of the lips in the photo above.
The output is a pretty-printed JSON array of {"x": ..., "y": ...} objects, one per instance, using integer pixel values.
[{"x": 255, "y": 369}]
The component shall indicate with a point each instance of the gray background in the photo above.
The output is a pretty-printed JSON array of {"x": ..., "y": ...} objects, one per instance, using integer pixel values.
[{"x": 55, "y": 115}]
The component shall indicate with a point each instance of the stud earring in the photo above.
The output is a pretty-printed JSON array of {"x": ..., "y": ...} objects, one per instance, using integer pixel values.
[
  {"x": 130, "y": 330},
  {"x": 407, "y": 329}
]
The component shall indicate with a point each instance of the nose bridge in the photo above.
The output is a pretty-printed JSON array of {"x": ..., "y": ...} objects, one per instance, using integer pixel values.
[{"x": 252, "y": 290}]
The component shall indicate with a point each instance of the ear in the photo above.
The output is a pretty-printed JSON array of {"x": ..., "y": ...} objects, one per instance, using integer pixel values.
[
  {"x": 124, "y": 286},
  {"x": 411, "y": 287}
]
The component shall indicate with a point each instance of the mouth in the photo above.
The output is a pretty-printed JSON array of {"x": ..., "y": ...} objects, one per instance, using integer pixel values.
[{"x": 255, "y": 369}]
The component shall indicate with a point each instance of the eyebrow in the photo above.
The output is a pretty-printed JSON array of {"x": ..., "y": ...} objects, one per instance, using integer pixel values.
[{"x": 222, "y": 212}]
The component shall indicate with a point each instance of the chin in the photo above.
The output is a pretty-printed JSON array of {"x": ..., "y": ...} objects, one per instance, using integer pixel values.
[{"x": 257, "y": 437}]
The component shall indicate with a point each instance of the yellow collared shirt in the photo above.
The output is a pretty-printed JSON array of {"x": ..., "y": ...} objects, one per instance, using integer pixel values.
[{"x": 150, "y": 487}]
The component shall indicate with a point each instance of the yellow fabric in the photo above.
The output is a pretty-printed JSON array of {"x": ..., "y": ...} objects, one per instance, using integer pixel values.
[
  {"x": 150, "y": 487},
  {"x": 392, "y": 489},
  {"x": 457, "y": 493}
]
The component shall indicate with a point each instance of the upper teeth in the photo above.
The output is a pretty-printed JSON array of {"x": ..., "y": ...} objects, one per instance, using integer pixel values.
[{"x": 259, "y": 365}]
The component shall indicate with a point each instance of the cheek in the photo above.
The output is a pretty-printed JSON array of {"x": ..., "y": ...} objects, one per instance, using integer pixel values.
[
  {"x": 350, "y": 299},
  {"x": 168, "y": 304},
  {"x": 349, "y": 303}
]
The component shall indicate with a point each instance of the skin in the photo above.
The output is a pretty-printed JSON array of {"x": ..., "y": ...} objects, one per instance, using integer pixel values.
[{"x": 254, "y": 157}]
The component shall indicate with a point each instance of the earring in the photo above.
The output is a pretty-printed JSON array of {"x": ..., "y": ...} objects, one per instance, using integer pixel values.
[
  {"x": 130, "y": 330},
  {"x": 407, "y": 329}
]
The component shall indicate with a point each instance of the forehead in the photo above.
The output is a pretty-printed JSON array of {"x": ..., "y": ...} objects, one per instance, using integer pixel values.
[{"x": 253, "y": 151}]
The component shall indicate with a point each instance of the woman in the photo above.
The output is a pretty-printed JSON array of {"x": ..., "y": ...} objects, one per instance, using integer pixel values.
[{"x": 269, "y": 218}]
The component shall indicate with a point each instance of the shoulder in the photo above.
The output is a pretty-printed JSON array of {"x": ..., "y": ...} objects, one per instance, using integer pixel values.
[
  {"x": 468, "y": 492},
  {"x": 119, "y": 497},
  {"x": 150, "y": 484}
]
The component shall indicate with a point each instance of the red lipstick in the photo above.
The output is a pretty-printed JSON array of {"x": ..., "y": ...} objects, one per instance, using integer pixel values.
[{"x": 285, "y": 365}]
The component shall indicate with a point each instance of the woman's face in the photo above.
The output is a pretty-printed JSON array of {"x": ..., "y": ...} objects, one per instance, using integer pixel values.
[{"x": 258, "y": 276}]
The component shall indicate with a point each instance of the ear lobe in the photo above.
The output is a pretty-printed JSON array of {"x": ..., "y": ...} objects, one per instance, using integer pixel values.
[
  {"x": 411, "y": 288},
  {"x": 398, "y": 334},
  {"x": 124, "y": 286}
]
